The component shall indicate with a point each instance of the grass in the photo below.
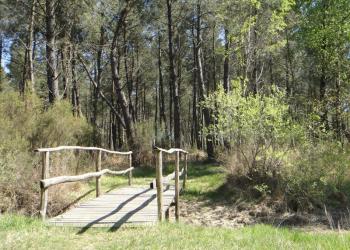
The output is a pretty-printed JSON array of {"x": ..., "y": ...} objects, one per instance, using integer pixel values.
[
  {"x": 203, "y": 180},
  {"x": 17, "y": 232}
]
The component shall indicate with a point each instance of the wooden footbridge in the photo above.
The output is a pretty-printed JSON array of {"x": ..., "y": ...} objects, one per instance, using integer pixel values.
[{"x": 130, "y": 205}]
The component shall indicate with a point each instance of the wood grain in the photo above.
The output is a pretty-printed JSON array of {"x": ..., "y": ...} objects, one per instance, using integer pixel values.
[
  {"x": 81, "y": 148},
  {"x": 120, "y": 207},
  {"x": 64, "y": 179}
]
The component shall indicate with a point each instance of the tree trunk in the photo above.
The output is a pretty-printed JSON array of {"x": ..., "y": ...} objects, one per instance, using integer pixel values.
[
  {"x": 226, "y": 62},
  {"x": 195, "y": 125},
  {"x": 128, "y": 76},
  {"x": 162, "y": 117},
  {"x": 214, "y": 59},
  {"x": 75, "y": 88},
  {"x": 137, "y": 87},
  {"x": 156, "y": 111},
  {"x": 28, "y": 69},
  {"x": 121, "y": 98},
  {"x": 51, "y": 66},
  {"x": 202, "y": 87},
  {"x": 66, "y": 66},
  {"x": 173, "y": 80},
  {"x": 97, "y": 139}
]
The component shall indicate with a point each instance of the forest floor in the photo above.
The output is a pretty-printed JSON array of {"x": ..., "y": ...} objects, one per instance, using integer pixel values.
[
  {"x": 209, "y": 219},
  {"x": 210, "y": 201}
]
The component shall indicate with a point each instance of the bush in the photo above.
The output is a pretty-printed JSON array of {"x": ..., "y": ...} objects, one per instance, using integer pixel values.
[
  {"x": 257, "y": 128},
  {"x": 263, "y": 143},
  {"x": 24, "y": 126}
]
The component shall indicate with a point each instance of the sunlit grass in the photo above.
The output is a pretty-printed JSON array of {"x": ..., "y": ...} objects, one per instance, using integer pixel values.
[{"x": 17, "y": 232}]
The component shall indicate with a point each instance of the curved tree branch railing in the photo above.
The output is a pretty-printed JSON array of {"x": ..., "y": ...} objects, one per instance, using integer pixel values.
[
  {"x": 47, "y": 182},
  {"x": 160, "y": 180}
]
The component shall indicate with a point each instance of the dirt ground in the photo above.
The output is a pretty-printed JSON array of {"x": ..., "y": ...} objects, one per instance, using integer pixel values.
[{"x": 235, "y": 216}]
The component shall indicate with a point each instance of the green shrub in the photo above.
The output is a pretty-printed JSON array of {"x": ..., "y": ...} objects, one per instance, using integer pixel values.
[
  {"x": 261, "y": 141},
  {"x": 24, "y": 126},
  {"x": 257, "y": 127}
]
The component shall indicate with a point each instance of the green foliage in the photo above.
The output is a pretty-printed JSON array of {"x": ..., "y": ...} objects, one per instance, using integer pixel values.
[
  {"x": 57, "y": 126},
  {"x": 257, "y": 126},
  {"x": 24, "y": 125},
  {"x": 277, "y": 152}
]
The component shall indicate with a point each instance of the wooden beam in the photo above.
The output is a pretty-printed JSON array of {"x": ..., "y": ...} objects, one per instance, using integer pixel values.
[
  {"x": 81, "y": 148},
  {"x": 159, "y": 181},
  {"x": 64, "y": 179},
  {"x": 98, "y": 169},
  {"x": 43, "y": 191},
  {"x": 167, "y": 179},
  {"x": 170, "y": 151},
  {"x": 185, "y": 174},
  {"x": 177, "y": 187},
  {"x": 130, "y": 172}
]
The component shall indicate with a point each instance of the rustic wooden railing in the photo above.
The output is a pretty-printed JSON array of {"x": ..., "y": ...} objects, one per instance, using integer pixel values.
[
  {"x": 160, "y": 180},
  {"x": 47, "y": 182}
]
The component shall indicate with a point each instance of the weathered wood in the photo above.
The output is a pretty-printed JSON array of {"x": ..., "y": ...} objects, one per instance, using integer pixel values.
[
  {"x": 177, "y": 186},
  {"x": 170, "y": 151},
  {"x": 130, "y": 172},
  {"x": 64, "y": 179},
  {"x": 43, "y": 190},
  {"x": 185, "y": 174},
  {"x": 120, "y": 207},
  {"x": 81, "y": 148},
  {"x": 167, "y": 179},
  {"x": 98, "y": 169},
  {"x": 159, "y": 181}
]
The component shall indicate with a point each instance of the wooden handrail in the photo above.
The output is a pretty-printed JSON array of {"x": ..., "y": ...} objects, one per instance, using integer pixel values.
[
  {"x": 160, "y": 180},
  {"x": 46, "y": 183},
  {"x": 167, "y": 179},
  {"x": 81, "y": 148},
  {"x": 171, "y": 150}
]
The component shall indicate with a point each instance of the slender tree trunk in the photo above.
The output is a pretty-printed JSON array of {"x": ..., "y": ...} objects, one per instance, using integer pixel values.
[
  {"x": 173, "y": 80},
  {"x": 338, "y": 122},
  {"x": 121, "y": 98},
  {"x": 52, "y": 80},
  {"x": 128, "y": 76},
  {"x": 97, "y": 140},
  {"x": 289, "y": 67},
  {"x": 75, "y": 88},
  {"x": 214, "y": 59},
  {"x": 195, "y": 124},
  {"x": 162, "y": 117},
  {"x": 226, "y": 62},
  {"x": 202, "y": 87},
  {"x": 137, "y": 83},
  {"x": 28, "y": 67},
  {"x": 156, "y": 111},
  {"x": 65, "y": 61}
]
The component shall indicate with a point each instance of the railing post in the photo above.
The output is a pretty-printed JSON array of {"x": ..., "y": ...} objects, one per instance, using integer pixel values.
[
  {"x": 177, "y": 187},
  {"x": 44, "y": 191},
  {"x": 185, "y": 174},
  {"x": 130, "y": 172},
  {"x": 98, "y": 169},
  {"x": 159, "y": 184}
]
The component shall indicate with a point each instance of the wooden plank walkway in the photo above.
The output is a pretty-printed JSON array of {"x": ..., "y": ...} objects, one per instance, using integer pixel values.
[{"x": 122, "y": 206}]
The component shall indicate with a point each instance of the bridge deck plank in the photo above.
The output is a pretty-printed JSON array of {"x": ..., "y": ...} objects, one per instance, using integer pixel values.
[{"x": 123, "y": 206}]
